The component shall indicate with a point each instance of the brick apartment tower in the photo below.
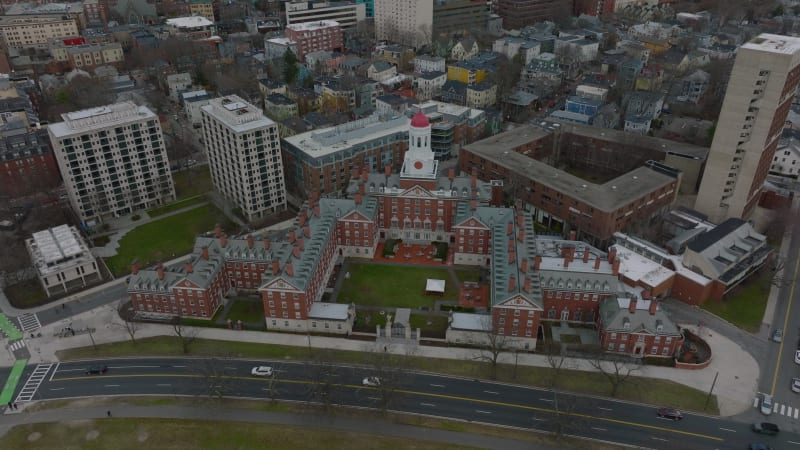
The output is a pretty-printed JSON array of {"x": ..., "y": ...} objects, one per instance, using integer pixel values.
[{"x": 759, "y": 95}]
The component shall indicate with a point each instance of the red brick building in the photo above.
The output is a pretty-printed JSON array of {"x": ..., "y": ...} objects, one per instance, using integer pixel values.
[
  {"x": 27, "y": 162},
  {"x": 311, "y": 37},
  {"x": 637, "y": 327}
]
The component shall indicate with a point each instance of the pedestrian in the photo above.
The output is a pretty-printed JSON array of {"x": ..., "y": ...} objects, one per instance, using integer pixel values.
[
  {"x": 10, "y": 406},
  {"x": 15, "y": 405},
  {"x": 109, "y": 413}
]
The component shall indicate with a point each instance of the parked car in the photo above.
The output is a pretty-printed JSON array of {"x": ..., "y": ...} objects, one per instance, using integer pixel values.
[
  {"x": 261, "y": 371},
  {"x": 777, "y": 335},
  {"x": 371, "y": 381},
  {"x": 797, "y": 356},
  {"x": 765, "y": 428},
  {"x": 96, "y": 370},
  {"x": 760, "y": 447},
  {"x": 766, "y": 405},
  {"x": 795, "y": 384},
  {"x": 670, "y": 413}
]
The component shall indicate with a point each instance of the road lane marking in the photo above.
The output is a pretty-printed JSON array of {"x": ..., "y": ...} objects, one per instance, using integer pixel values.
[
  {"x": 604, "y": 409},
  {"x": 427, "y": 404},
  {"x": 437, "y": 385},
  {"x": 793, "y": 442},
  {"x": 659, "y": 439},
  {"x": 599, "y": 429},
  {"x": 374, "y": 398},
  {"x": 163, "y": 384},
  {"x": 546, "y": 400},
  {"x": 112, "y": 385},
  {"x": 482, "y": 411},
  {"x": 133, "y": 367},
  {"x": 231, "y": 368},
  {"x": 727, "y": 429},
  {"x": 56, "y": 389},
  {"x": 492, "y": 392},
  {"x": 54, "y": 371},
  {"x": 783, "y": 408},
  {"x": 785, "y": 325},
  {"x": 755, "y": 402},
  {"x": 536, "y": 419},
  {"x": 434, "y": 395},
  {"x": 180, "y": 367},
  {"x": 796, "y": 412}
]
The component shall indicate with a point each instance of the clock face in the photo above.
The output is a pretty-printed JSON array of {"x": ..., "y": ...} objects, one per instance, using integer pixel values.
[{"x": 418, "y": 165}]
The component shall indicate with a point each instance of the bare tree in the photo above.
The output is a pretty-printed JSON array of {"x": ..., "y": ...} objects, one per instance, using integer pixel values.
[
  {"x": 493, "y": 345},
  {"x": 392, "y": 372},
  {"x": 186, "y": 335},
  {"x": 214, "y": 379},
  {"x": 564, "y": 406},
  {"x": 322, "y": 388},
  {"x": 616, "y": 369},
  {"x": 126, "y": 314}
]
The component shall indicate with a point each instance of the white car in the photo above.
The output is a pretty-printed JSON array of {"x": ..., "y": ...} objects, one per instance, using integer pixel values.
[
  {"x": 797, "y": 356},
  {"x": 795, "y": 384},
  {"x": 766, "y": 405},
  {"x": 261, "y": 371},
  {"x": 371, "y": 381}
]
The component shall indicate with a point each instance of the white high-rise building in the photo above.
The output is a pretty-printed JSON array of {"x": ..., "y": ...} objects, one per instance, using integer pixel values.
[
  {"x": 408, "y": 22},
  {"x": 244, "y": 156},
  {"x": 759, "y": 95},
  {"x": 113, "y": 160}
]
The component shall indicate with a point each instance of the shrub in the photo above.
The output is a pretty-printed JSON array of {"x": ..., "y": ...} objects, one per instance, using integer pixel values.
[
  {"x": 136, "y": 217},
  {"x": 456, "y": 308}
]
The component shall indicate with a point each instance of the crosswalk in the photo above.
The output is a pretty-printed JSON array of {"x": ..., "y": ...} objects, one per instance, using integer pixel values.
[
  {"x": 780, "y": 408},
  {"x": 29, "y": 322},
  {"x": 34, "y": 381},
  {"x": 16, "y": 345}
]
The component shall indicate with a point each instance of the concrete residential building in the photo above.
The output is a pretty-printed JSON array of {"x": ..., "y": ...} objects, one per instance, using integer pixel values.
[
  {"x": 407, "y": 22},
  {"x": 192, "y": 102},
  {"x": 786, "y": 162},
  {"x": 36, "y": 31},
  {"x": 426, "y": 63},
  {"x": 62, "y": 259},
  {"x": 244, "y": 158},
  {"x": 315, "y": 36},
  {"x": 113, "y": 160},
  {"x": 518, "y": 14},
  {"x": 192, "y": 27},
  {"x": 765, "y": 76},
  {"x": 203, "y": 8},
  {"x": 347, "y": 14},
  {"x": 459, "y": 16},
  {"x": 87, "y": 56}
]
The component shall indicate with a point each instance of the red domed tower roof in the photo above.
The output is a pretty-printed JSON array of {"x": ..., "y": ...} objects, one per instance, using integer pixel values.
[{"x": 420, "y": 120}]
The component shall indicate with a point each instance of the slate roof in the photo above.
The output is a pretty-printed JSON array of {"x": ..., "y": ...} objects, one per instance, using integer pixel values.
[{"x": 615, "y": 313}]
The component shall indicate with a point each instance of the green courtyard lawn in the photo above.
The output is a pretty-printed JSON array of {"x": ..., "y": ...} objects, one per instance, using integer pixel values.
[
  {"x": 161, "y": 210},
  {"x": 192, "y": 182},
  {"x": 393, "y": 286},
  {"x": 26, "y": 294},
  {"x": 247, "y": 310},
  {"x": 432, "y": 326},
  {"x": 468, "y": 274},
  {"x": 744, "y": 307},
  {"x": 366, "y": 320},
  {"x": 164, "y": 239}
]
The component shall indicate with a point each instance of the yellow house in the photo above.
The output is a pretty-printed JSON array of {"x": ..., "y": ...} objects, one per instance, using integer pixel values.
[
  {"x": 656, "y": 46},
  {"x": 203, "y": 8},
  {"x": 465, "y": 73}
]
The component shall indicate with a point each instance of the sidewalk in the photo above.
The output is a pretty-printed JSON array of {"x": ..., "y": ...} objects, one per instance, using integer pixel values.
[{"x": 735, "y": 387}]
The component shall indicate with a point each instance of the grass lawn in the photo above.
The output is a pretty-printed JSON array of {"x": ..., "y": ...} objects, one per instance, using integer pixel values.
[
  {"x": 397, "y": 286},
  {"x": 192, "y": 182},
  {"x": 366, "y": 320},
  {"x": 248, "y": 311},
  {"x": 26, "y": 294},
  {"x": 744, "y": 307},
  {"x": 431, "y": 326},
  {"x": 176, "y": 205},
  {"x": 164, "y": 239},
  {"x": 569, "y": 338},
  {"x": 468, "y": 275},
  {"x": 644, "y": 390},
  {"x": 189, "y": 434}
]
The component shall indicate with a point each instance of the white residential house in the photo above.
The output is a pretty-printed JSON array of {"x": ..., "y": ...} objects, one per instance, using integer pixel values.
[
  {"x": 192, "y": 102},
  {"x": 694, "y": 86},
  {"x": 426, "y": 63},
  {"x": 577, "y": 49},
  {"x": 786, "y": 162},
  {"x": 465, "y": 49},
  {"x": 428, "y": 85},
  {"x": 592, "y": 92},
  {"x": 381, "y": 71},
  {"x": 177, "y": 83},
  {"x": 513, "y": 46}
]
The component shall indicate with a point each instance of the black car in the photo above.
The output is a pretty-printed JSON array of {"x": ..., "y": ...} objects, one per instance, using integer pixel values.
[
  {"x": 96, "y": 370},
  {"x": 670, "y": 413}
]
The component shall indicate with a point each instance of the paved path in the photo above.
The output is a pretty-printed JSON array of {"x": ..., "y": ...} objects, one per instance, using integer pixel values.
[{"x": 326, "y": 421}]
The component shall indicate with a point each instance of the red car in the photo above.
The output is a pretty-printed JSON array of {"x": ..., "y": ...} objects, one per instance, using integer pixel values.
[{"x": 670, "y": 413}]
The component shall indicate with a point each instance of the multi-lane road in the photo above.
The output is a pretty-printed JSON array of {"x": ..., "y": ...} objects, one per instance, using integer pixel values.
[{"x": 449, "y": 397}]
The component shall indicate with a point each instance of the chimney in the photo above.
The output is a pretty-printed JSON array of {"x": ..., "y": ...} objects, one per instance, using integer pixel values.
[
  {"x": 364, "y": 175},
  {"x": 527, "y": 284},
  {"x": 615, "y": 267},
  {"x": 250, "y": 241},
  {"x": 316, "y": 210},
  {"x": 572, "y": 235},
  {"x": 537, "y": 262},
  {"x": 653, "y": 307},
  {"x": 567, "y": 259},
  {"x": 358, "y": 196},
  {"x": 311, "y": 202},
  {"x": 597, "y": 263},
  {"x": 362, "y": 189},
  {"x": 473, "y": 205},
  {"x": 645, "y": 295},
  {"x": 521, "y": 235},
  {"x": 289, "y": 269},
  {"x": 296, "y": 252},
  {"x": 204, "y": 253},
  {"x": 451, "y": 174},
  {"x": 520, "y": 220},
  {"x": 512, "y": 283},
  {"x": 266, "y": 243},
  {"x": 307, "y": 231},
  {"x": 160, "y": 271},
  {"x": 612, "y": 255},
  {"x": 632, "y": 306},
  {"x": 276, "y": 267},
  {"x": 510, "y": 228},
  {"x": 474, "y": 183},
  {"x": 188, "y": 268},
  {"x": 356, "y": 173},
  {"x": 510, "y": 245},
  {"x": 291, "y": 237},
  {"x": 223, "y": 240},
  {"x": 301, "y": 243},
  {"x": 523, "y": 265},
  {"x": 564, "y": 251},
  {"x": 217, "y": 230},
  {"x": 497, "y": 193},
  {"x": 387, "y": 170},
  {"x": 512, "y": 257},
  {"x": 135, "y": 267},
  {"x": 315, "y": 196},
  {"x": 585, "y": 255},
  {"x": 301, "y": 218}
]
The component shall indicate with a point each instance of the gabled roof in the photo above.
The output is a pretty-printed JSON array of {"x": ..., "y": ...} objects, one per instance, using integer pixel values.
[{"x": 616, "y": 317}]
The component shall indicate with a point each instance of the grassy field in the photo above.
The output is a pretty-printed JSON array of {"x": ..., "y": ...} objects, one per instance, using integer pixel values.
[
  {"x": 366, "y": 320},
  {"x": 248, "y": 311},
  {"x": 431, "y": 326},
  {"x": 192, "y": 182},
  {"x": 190, "y": 434},
  {"x": 644, "y": 390},
  {"x": 395, "y": 286},
  {"x": 744, "y": 307},
  {"x": 176, "y": 205},
  {"x": 468, "y": 275},
  {"x": 26, "y": 294},
  {"x": 164, "y": 239}
]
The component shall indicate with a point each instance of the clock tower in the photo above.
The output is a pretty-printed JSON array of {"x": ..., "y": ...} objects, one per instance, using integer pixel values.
[{"x": 419, "y": 159}]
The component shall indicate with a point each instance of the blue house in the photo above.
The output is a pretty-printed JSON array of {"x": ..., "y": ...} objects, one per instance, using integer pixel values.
[{"x": 582, "y": 105}]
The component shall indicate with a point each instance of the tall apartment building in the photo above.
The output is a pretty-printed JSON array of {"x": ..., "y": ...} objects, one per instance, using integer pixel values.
[
  {"x": 113, "y": 160},
  {"x": 518, "y": 14},
  {"x": 244, "y": 156},
  {"x": 457, "y": 16},
  {"x": 36, "y": 31},
  {"x": 348, "y": 14},
  {"x": 759, "y": 95},
  {"x": 407, "y": 22},
  {"x": 315, "y": 36}
]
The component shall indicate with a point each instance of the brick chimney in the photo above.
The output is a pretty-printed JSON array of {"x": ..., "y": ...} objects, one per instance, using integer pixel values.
[
  {"x": 585, "y": 255},
  {"x": 512, "y": 257},
  {"x": 510, "y": 228},
  {"x": 474, "y": 183},
  {"x": 387, "y": 170},
  {"x": 520, "y": 220},
  {"x": 567, "y": 259},
  {"x": 653, "y": 307},
  {"x": 250, "y": 241},
  {"x": 524, "y": 265},
  {"x": 307, "y": 231},
  {"x": 296, "y": 252},
  {"x": 316, "y": 210},
  {"x": 289, "y": 269},
  {"x": 512, "y": 283},
  {"x": 597, "y": 263},
  {"x": 521, "y": 235},
  {"x": 204, "y": 253},
  {"x": 301, "y": 218},
  {"x": 362, "y": 189},
  {"x": 358, "y": 196},
  {"x": 632, "y": 306},
  {"x": 217, "y": 230},
  {"x": 160, "y": 271},
  {"x": 301, "y": 243},
  {"x": 612, "y": 255},
  {"x": 510, "y": 245},
  {"x": 451, "y": 174},
  {"x": 537, "y": 262},
  {"x": 315, "y": 196},
  {"x": 645, "y": 295},
  {"x": 311, "y": 202},
  {"x": 276, "y": 267},
  {"x": 526, "y": 286},
  {"x": 615, "y": 267},
  {"x": 223, "y": 240},
  {"x": 188, "y": 268},
  {"x": 292, "y": 237},
  {"x": 135, "y": 266},
  {"x": 364, "y": 175},
  {"x": 356, "y": 173},
  {"x": 572, "y": 235},
  {"x": 267, "y": 243},
  {"x": 497, "y": 193}
]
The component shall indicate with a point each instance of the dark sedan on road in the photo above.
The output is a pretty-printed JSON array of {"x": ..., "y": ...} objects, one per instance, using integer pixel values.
[
  {"x": 96, "y": 370},
  {"x": 670, "y": 413}
]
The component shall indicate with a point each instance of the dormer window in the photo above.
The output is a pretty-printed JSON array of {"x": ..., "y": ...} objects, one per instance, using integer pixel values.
[{"x": 626, "y": 324}]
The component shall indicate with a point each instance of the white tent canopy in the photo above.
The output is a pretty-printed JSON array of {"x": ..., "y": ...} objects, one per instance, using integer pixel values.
[{"x": 434, "y": 286}]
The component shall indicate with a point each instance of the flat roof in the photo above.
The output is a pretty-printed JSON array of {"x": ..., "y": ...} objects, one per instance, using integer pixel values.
[
  {"x": 87, "y": 120},
  {"x": 329, "y": 311},
  {"x": 774, "y": 43},
  {"x": 311, "y": 26},
  {"x": 190, "y": 22},
  {"x": 638, "y": 268},
  {"x": 237, "y": 114},
  {"x": 326, "y": 141},
  {"x": 57, "y": 243},
  {"x": 471, "y": 322}
]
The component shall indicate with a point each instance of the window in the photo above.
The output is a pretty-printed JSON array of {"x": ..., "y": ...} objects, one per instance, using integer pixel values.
[
  {"x": 611, "y": 347},
  {"x": 665, "y": 352},
  {"x": 622, "y": 347},
  {"x": 654, "y": 350}
]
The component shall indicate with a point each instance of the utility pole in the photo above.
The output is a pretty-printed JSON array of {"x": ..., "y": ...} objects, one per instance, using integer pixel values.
[
  {"x": 91, "y": 336},
  {"x": 714, "y": 383}
]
